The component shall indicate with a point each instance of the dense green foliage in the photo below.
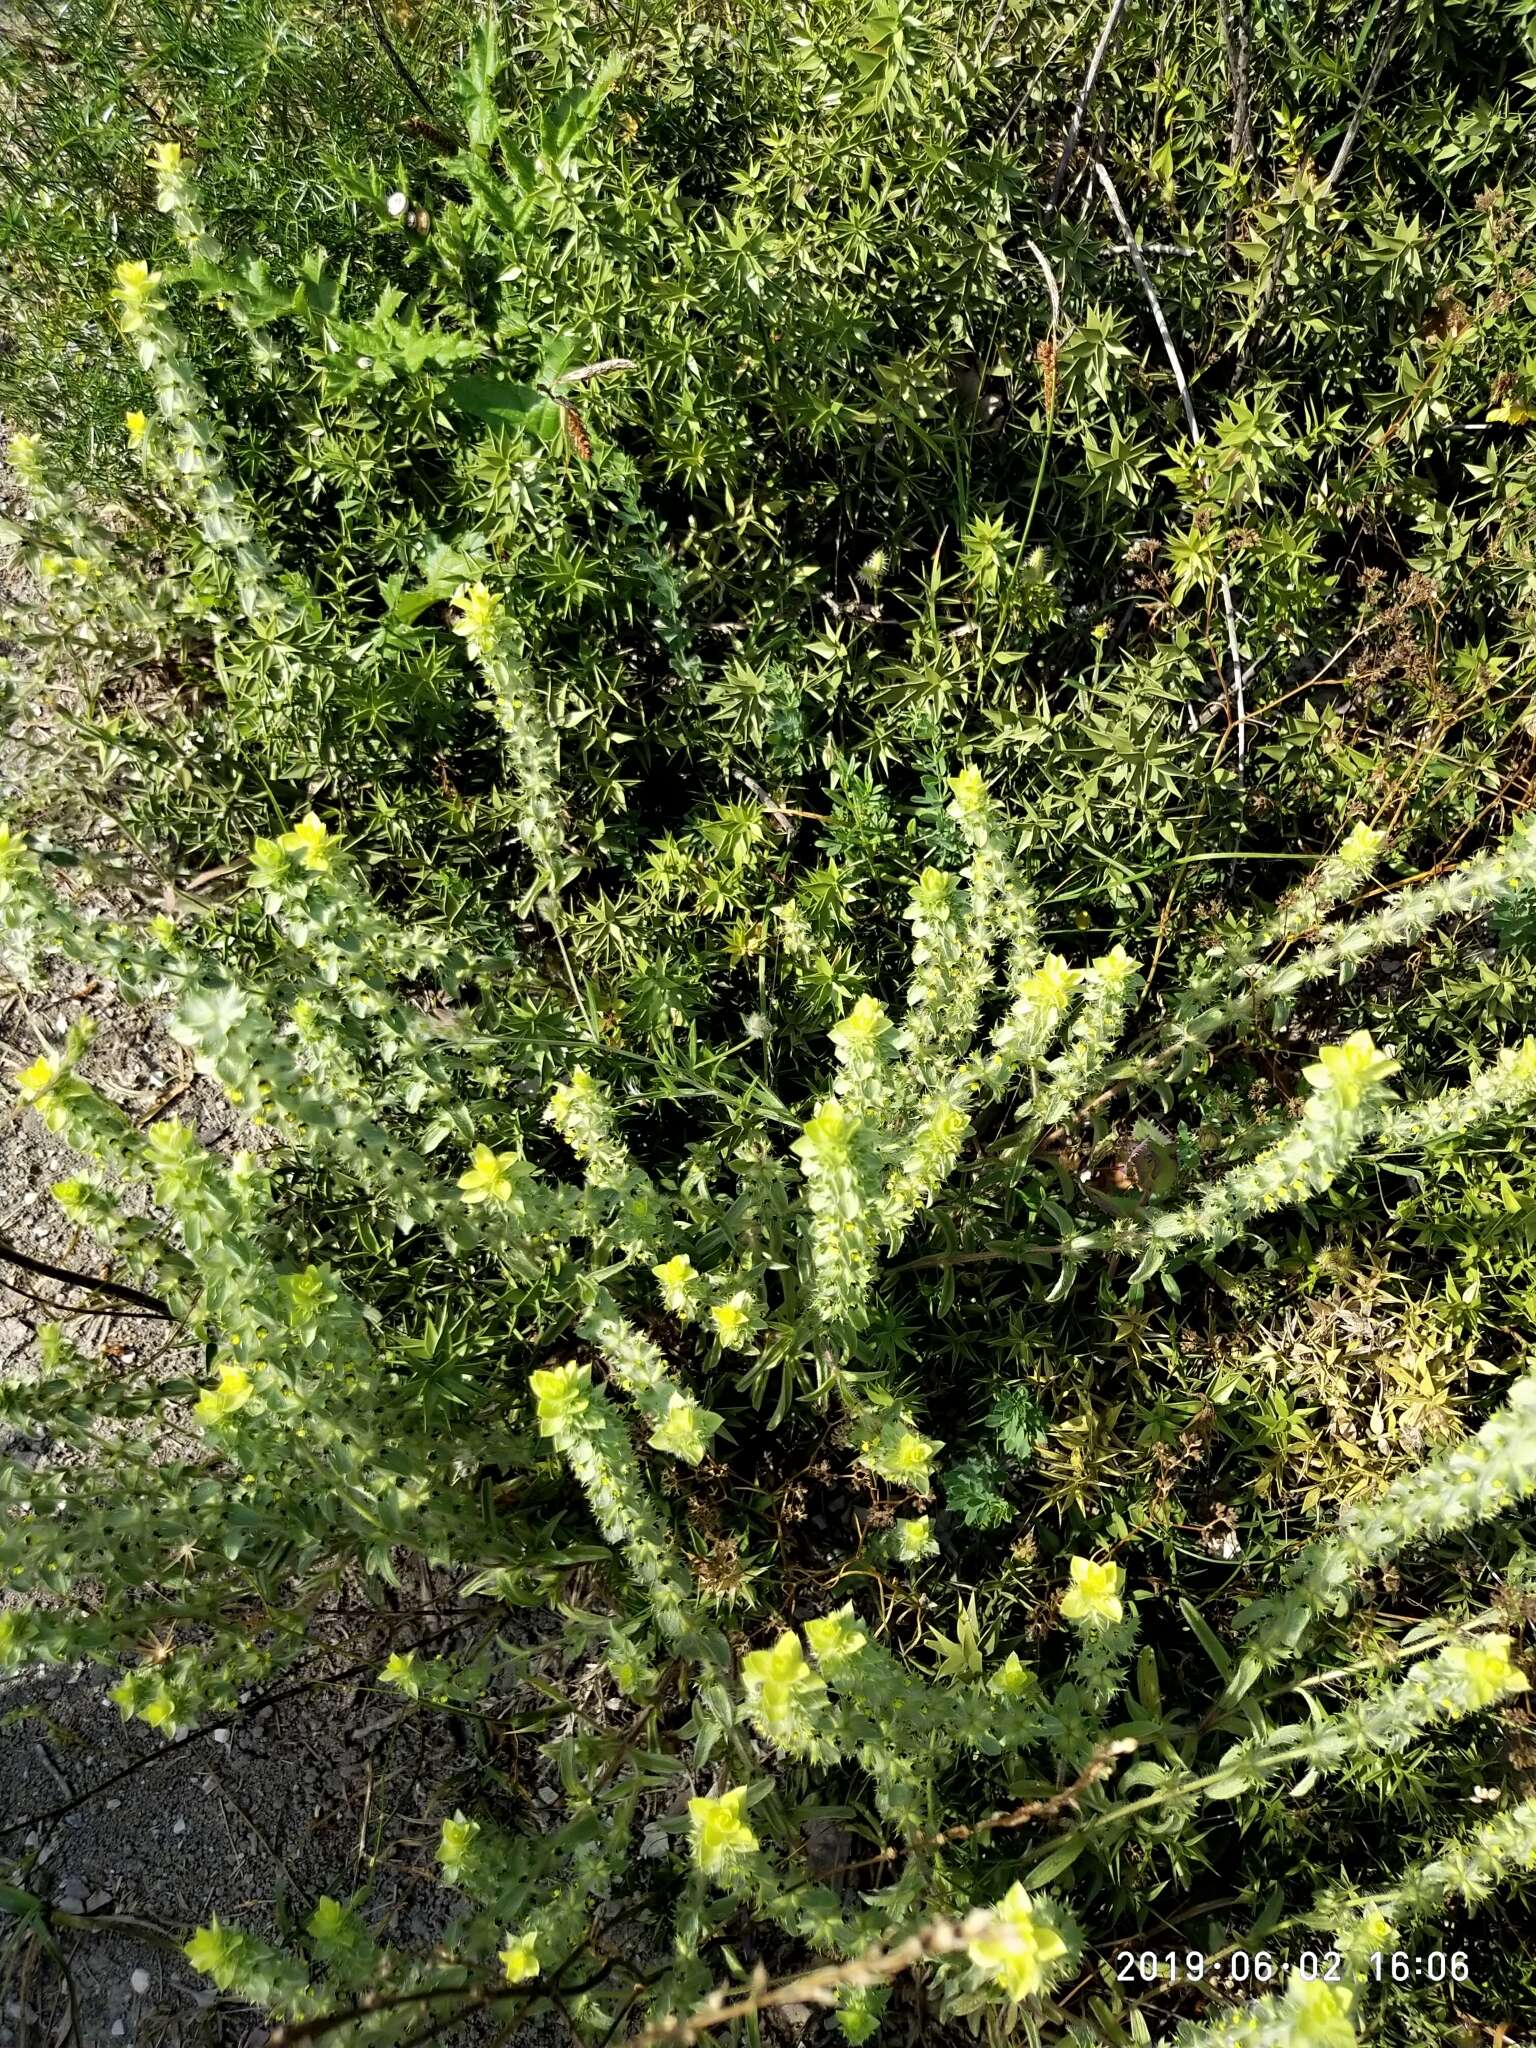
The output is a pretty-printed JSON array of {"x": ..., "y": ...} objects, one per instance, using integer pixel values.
[{"x": 863, "y": 764}]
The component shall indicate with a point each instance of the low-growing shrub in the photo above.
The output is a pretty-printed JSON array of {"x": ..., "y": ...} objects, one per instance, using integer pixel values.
[{"x": 712, "y": 685}]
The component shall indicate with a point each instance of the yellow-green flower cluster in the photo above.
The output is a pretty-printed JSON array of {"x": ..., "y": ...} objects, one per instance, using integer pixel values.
[
  {"x": 1016, "y": 1946},
  {"x": 135, "y": 297},
  {"x": 912, "y": 1540},
  {"x": 785, "y": 1700},
  {"x": 492, "y": 1176},
  {"x": 718, "y": 1833},
  {"x": 1092, "y": 1599},
  {"x": 897, "y": 1451},
  {"x": 682, "y": 1289}
]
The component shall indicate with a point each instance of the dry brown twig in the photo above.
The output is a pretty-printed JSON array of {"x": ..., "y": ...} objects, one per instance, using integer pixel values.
[
  {"x": 876, "y": 1965},
  {"x": 1098, "y": 1766}
]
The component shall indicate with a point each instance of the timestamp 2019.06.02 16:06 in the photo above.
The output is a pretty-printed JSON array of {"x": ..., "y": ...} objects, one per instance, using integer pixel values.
[{"x": 1265, "y": 1966}]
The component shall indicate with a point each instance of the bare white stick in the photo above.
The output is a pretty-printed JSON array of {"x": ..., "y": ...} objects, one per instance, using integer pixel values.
[
  {"x": 1144, "y": 277},
  {"x": 1075, "y": 128}
]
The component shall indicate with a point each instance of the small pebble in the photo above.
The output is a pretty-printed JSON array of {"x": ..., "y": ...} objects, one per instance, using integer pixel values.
[
  {"x": 221, "y": 1735},
  {"x": 140, "y": 1982},
  {"x": 118, "y": 2030},
  {"x": 178, "y": 1826}
]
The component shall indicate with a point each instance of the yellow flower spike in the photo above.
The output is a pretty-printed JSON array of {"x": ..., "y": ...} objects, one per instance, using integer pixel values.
[
  {"x": 1017, "y": 1949},
  {"x": 490, "y": 1177},
  {"x": 136, "y": 425},
  {"x": 720, "y": 1836},
  {"x": 969, "y": 791},
  {"x": 312, "y": 842},
  {"x": 1094, "y": 1594},
  {"x": 520, "y": 1958}
]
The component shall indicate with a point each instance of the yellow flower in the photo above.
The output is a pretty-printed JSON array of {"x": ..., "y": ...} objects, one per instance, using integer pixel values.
[
  {"x": 137, "y": 424},
  {"x": 310, "y": 840},
  {"x": 1116, "y": 969},
  {"x": 401, "y": 1670},
  {"x": 1094, "y": 1594},
  {"x": 1361, "y": 847},
  {"x": 679, "y": 1284},
  {"x": 901, "y": 1454},
  {"x": 135, "y": 295},
  {"x": 721, "y": 1838},
  {"x": 782, "y": 1693},
  {"x": 562, "y": 1397},
  {"x": 1348, "y": 1071},
  {"x": 913, "y": 1539},
  {"x": 865, "y": 1025},
  {"x": 478, "y": 610},
  {"x": 455, "y": 1846},
  {"x": 165, "y": 158},
  {"x": 33, "y": 1080},
  {"x": 1012, "y": 1680},
  {"x": 733, "y": 1320},
  {"x": 1481, "y": 1672},
  {"x": 1018, "y": 1947},
  {"x": 1318, "y": 2013},
  {"x": 834, "y": 1638},
  {"x": 970, "y": 793},
  {"x": 235, "y": 1388},
  {"x": 490, "y": 1178},
  {"x": 1050, "y": 986},
  {"x": 520, "y": 1958},
  {"x": 681, "y": 1430}
]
